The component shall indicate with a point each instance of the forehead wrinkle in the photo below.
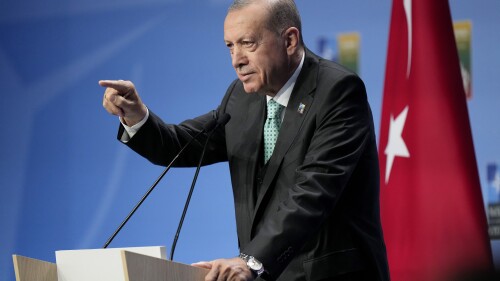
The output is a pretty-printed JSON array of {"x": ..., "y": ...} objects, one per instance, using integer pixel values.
[{"x": 241, "y": 27}]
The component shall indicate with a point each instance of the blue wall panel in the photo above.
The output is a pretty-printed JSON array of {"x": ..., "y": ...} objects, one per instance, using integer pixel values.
[{"x": 66, "y": 183}]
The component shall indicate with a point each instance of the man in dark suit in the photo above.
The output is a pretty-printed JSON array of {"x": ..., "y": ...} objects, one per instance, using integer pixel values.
[{"x": 306, "y": 198}]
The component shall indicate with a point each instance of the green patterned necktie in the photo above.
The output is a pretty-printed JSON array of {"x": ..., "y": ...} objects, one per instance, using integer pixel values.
[{"x": 271, "y": 127}]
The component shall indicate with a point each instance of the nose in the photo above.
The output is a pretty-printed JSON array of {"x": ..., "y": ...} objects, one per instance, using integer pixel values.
[{"x": 238, "y": 57}]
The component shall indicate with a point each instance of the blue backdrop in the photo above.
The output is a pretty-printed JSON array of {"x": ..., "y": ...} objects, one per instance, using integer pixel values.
[{"x": 66, "y": 183}]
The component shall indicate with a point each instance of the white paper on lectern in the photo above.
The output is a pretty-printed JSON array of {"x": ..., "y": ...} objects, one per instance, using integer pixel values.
[{"x": 98, "y": 264}]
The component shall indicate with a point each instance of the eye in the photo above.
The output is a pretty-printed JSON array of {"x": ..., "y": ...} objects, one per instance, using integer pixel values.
[
  {"x": 230, "y": 47},
  {"x": 247, "y": 44}
]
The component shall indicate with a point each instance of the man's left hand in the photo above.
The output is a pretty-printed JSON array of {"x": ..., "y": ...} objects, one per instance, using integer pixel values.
[{"x": 234, "y": 269}]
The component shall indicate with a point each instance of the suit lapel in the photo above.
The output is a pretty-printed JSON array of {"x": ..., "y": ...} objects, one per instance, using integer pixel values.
[{"x": 296, "y": 111}]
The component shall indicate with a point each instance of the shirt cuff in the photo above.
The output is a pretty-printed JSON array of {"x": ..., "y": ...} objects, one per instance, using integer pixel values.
[{"x": 130, "y": 131}]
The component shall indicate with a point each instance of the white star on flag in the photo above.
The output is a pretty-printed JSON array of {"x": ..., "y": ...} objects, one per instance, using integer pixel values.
[{"x": 395, "y": 145}]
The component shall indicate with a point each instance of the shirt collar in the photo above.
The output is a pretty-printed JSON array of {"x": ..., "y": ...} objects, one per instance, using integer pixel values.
[{"x": 283, "y": 95}]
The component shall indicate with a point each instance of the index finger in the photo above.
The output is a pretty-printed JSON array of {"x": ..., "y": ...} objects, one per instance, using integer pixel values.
[
  {"x": 203, "y": 264},
  {"x": 119, "y": 85}
]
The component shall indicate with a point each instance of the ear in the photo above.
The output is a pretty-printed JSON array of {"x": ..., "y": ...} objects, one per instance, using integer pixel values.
[{"x": 292, "y": 39}]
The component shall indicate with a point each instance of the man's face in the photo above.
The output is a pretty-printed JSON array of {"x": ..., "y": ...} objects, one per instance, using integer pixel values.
[{"x": 258, "y": 55}]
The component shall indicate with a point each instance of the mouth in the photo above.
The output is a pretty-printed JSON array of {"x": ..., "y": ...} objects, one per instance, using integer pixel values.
[{"x": 244, "y": 76}]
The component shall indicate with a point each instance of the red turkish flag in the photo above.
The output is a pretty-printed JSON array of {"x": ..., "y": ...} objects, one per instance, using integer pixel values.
[{"x": 432, "y": 210}]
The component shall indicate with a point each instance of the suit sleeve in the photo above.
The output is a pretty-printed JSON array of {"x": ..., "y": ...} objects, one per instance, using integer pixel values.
[
  {"x": 343, "y": 129},
  {"x": 160, "y": 142}
]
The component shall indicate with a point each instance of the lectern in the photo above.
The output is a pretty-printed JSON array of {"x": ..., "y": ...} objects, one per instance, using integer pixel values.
[{"x": 112, "y": 264}]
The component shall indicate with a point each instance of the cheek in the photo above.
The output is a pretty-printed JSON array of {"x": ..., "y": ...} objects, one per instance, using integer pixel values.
[
  {"x": 264, "y": 64},
  {"x": 263, "y": 69}
]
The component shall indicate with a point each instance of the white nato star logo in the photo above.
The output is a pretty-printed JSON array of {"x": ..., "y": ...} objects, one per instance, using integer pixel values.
[{"x": 395, "y": 145}]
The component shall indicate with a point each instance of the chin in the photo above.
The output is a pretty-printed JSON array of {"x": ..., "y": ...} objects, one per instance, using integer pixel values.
[{"x": 250, "y": 89}]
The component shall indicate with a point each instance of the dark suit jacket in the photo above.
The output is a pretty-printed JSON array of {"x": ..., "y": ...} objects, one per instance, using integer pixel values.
[{"x": 316, "y": 215}]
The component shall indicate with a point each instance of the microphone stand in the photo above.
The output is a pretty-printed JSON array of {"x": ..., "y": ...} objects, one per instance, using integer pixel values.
[
  {"x": 209, "y": 127},
  {"x": 151, "y": 189},
  {"x": 186, "y": 205}
]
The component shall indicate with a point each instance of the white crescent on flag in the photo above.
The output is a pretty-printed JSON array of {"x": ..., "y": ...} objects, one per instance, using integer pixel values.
[{"x": 407, "y": 6}]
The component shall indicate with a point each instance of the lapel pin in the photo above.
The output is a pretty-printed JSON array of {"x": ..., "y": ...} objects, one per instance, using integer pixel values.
[{"x": 301, "y": 108}]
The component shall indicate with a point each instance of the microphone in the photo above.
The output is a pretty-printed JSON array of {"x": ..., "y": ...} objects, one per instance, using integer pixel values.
[
  {"x": 209, "y": 127},
  {"x": 221, "y": 122}
]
